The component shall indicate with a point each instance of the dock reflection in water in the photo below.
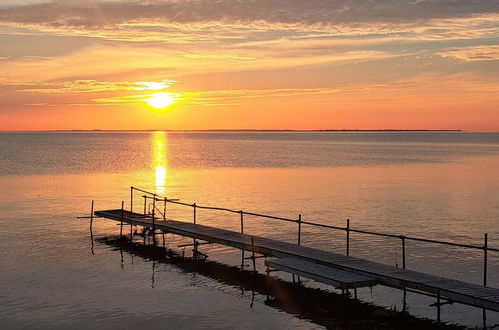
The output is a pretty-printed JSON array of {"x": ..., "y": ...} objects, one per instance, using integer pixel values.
[{"x": 317, "y": 305}]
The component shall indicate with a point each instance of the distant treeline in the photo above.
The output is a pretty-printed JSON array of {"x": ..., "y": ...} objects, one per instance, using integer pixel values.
[{"x": 268, "y": 130}]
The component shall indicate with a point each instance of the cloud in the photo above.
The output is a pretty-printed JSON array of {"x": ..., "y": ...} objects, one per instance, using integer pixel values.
[
  {"x": 122, "y": 62},
  {"x": 473, "y": 53},
  {"x": 414, "y": 90},
  {"x": 232, "y": 96},
  {"x": 242, "y": 24},
  {"x": 93, "y": 86},
  {"x": 95, "y": 14}
]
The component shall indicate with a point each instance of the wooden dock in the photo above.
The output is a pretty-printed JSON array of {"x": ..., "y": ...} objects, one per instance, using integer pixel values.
[{"x": 445, "y": 288}]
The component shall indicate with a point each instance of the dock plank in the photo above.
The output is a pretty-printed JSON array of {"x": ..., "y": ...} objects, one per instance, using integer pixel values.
[{"x": 321, "y": 273}]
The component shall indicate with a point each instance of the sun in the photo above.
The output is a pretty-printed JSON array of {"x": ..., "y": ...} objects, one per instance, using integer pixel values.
[{"x": 161, "y": 100}]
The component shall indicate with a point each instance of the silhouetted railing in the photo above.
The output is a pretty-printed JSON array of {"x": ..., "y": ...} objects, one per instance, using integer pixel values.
[{"x": 403, "y": 238}]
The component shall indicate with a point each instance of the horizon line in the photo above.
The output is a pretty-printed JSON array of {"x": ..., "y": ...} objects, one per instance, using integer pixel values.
[{"x": 243, "y": 130}]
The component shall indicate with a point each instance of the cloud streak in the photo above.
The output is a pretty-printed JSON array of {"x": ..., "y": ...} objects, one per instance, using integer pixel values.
[
  {"x": 473, "y": 53},
  {"x": 92, "y": 14}
]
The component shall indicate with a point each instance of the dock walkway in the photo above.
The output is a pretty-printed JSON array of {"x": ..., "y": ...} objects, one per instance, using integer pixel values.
[{"x": 458, "y": 291}]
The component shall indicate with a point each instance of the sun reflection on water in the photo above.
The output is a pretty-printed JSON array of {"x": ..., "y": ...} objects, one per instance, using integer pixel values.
[{"x": 159, "y": 161}]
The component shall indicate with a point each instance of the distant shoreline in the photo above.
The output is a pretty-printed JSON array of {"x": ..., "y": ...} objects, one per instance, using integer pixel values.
[{"x": 245, "y": 130}]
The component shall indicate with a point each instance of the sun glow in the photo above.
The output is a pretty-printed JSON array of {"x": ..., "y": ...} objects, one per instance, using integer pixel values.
[
  {"x": 161, "y": 100},
  {"x": 153, "y": 85}
]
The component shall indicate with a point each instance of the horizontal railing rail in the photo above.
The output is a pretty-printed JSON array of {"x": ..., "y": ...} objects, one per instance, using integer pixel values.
[{"x": 300, "y": 222}]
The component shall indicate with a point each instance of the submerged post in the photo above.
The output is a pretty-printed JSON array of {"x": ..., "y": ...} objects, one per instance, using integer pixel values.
[
  {"x": 194, "y": 213},
  {"x": 299, "y": 229},
  {"x": 485, "y": 243},
  {"x": 348, "y": 237},
  {"x": 242, "y": 221},
  {"x": 403, "y": 251}
]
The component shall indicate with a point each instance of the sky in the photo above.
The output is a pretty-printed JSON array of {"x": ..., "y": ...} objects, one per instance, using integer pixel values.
[{"x": 249, "y": 64}]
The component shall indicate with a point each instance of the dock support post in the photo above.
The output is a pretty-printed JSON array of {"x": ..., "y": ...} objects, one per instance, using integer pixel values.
[
  {"x": 404, "y": 301},
  {"x": 438, "y": 306},
  {"x": 131, "y": 198},
  {"x": 195, "y": 249},
  {"x": 403, "y": 251},
  {"x": 348, "y": 237},
  {"x": 253, "y": 254},
  {"x": 299, "y": 229},
  {"x": 121, "y": 222},
  {"x": 485, "y": 247}
]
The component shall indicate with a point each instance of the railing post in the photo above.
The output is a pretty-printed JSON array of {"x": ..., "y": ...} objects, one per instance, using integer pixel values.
[
  {"x": 299, "y": 229},
  {"x": 131, "y": 198},
  {"x": 194, "y": 212},
  {"x": 403, "y": 251},
  {"x": 164, "y": 209},
  {"x": 253, "y": 254},
  {"x": 121, "y": 223},
  {"x": 485, "y": 247},
  {"x": 348, "y": 237},
  {"x": 153, "y": 210},
  {"x": 242, "y": 222},
  {"x": 145, "y": 204},
  {"x": 242, "y": 232},
  {"x": 91, "y": 215},
  {"x": 438, "y": 306}
]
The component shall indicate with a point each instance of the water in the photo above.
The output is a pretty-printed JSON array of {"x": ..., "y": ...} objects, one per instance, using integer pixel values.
[{"x": 426, "y": 184}]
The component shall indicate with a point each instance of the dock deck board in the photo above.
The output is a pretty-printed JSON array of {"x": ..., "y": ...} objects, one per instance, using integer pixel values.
[
  {"x": 321, "y": 273},
  {"x": 458, "y": 291}
]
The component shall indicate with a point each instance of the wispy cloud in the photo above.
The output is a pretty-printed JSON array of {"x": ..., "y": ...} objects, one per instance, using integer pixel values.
[
  {"x": 473, "y": 53},
  {"x": 94, "y": 86},
  {"x": 107, "y": 13}
]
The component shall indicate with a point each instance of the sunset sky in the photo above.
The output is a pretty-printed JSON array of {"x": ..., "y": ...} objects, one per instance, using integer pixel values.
[{"x": 259, "y": 64}]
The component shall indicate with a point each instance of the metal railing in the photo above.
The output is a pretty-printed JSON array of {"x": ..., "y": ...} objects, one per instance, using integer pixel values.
[{"x": 403, "y": 238}]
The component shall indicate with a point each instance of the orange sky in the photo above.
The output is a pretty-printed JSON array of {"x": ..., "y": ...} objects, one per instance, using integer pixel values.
[{"x": 262, "y": 64}]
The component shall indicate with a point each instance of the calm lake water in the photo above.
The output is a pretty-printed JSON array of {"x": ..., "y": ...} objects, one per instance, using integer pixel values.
[{"x": 426, "y": 184}]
